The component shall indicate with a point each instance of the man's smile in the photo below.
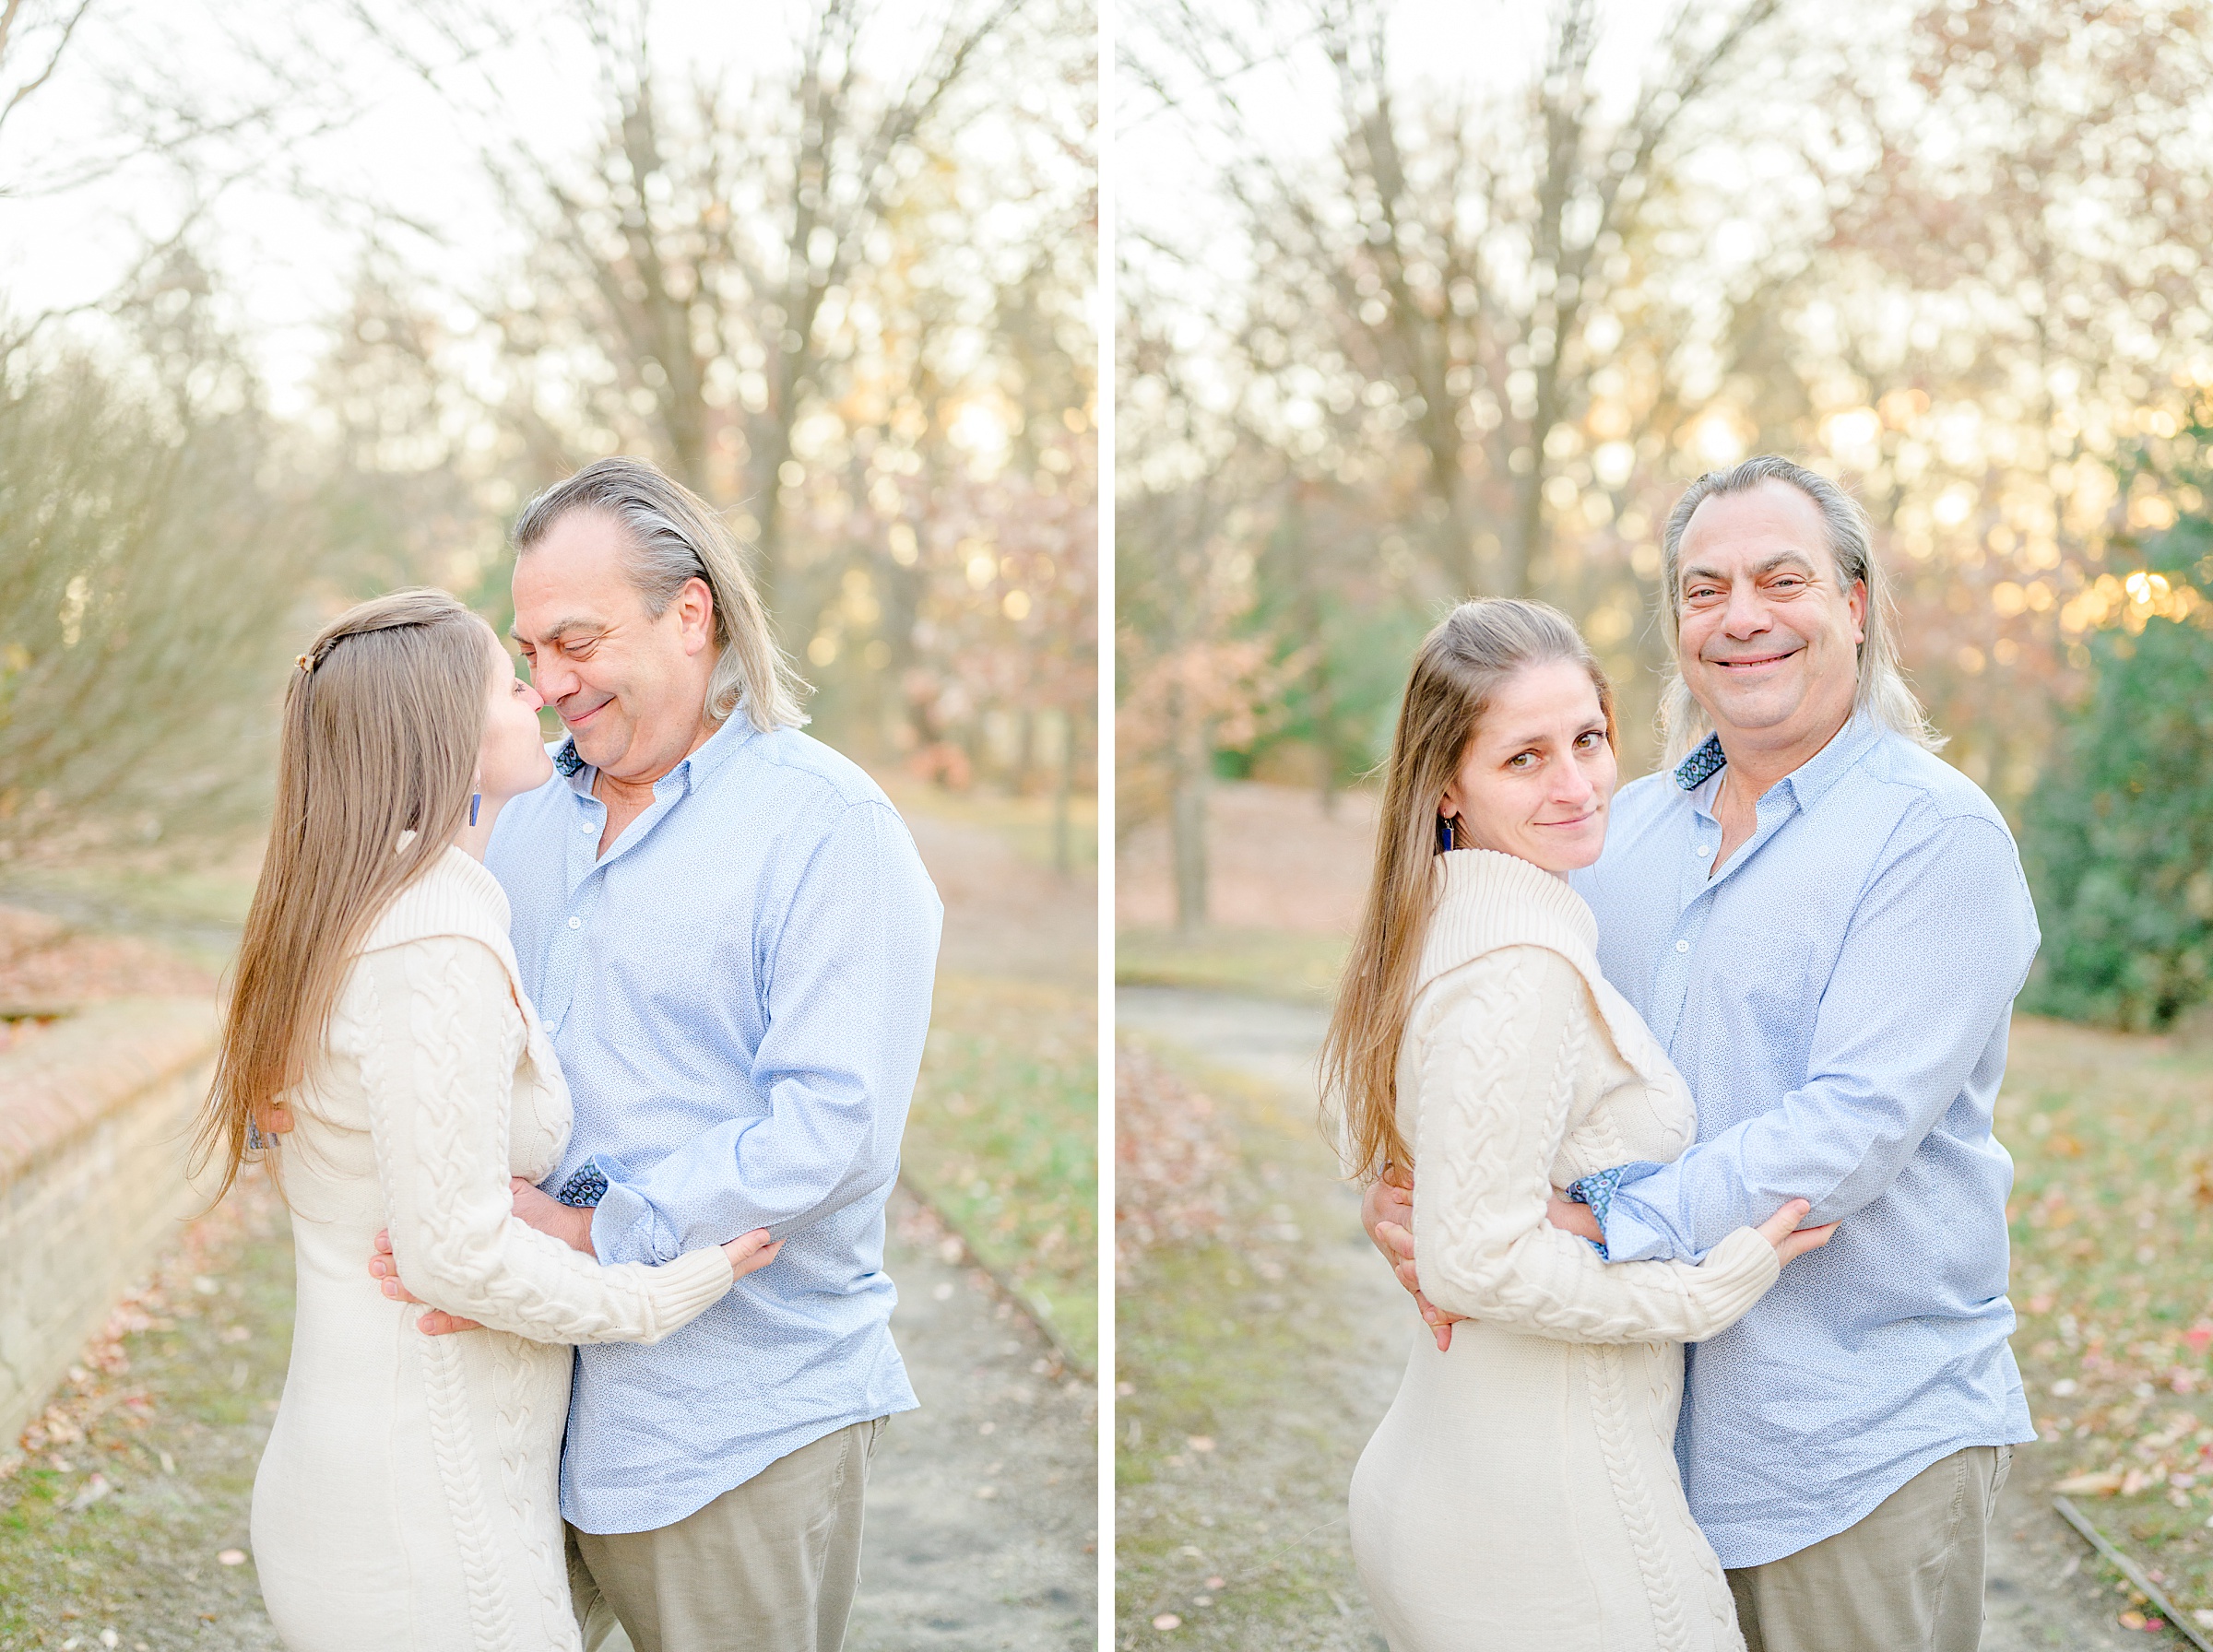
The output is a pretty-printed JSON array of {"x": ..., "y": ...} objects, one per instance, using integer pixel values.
[{"x": 1758, "y": 662}]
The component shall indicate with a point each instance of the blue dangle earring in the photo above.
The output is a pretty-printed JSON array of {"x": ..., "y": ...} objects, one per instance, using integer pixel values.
[
  {"x": 474, "y": 798},
  {"x": 1444, "y": 835}
]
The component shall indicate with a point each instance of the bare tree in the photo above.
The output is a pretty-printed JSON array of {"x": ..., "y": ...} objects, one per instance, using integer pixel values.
[
  {"x": 692, "y": 287},
  {"x": 34, "y": 39},
  {"x": 1192, "y": 674},
  {"x": 788, "y": 289},
  {"x": 149, "y": 568},
  {"x": 1460, "y": 264}
]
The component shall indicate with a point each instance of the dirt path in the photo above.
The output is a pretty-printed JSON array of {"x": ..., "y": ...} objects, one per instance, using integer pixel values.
[
  {"x": 2045, "y": 1588},
  {"x": 982, "y": 1507}
]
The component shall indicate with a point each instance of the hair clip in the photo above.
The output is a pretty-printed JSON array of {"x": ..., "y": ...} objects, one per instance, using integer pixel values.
[{"x": 300, "y": 660}]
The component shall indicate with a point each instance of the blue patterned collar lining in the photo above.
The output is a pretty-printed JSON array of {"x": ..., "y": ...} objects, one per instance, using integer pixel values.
[
  {"x": 1702, "y": 765},
  {"x": 1810, "y": 779},
  {"x": 711, "y": 754}
]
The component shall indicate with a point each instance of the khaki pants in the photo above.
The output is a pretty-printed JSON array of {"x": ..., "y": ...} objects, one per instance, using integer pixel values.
[
  {"x": 1907, "y": 1578},
  {"x": 768, "y": 1566}
]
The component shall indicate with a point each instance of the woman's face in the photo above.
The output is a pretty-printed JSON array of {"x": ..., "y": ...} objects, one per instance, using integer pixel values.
[
  {"x": 1537, "y": 777},
  {"x": 512, "y": 758}
]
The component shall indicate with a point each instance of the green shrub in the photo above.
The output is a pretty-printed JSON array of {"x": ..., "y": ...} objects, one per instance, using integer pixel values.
[{"x": 2118, "y": 839}]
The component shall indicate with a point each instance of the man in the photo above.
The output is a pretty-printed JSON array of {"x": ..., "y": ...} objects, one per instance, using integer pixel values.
[
  {"x": 1826, "y": 926},
  {"x": 731, "y": 938}
]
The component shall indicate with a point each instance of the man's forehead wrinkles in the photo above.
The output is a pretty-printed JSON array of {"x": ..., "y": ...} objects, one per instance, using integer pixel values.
[
  {"x": 1769, "y": 566},
  {"x": 568, "y": 625}
]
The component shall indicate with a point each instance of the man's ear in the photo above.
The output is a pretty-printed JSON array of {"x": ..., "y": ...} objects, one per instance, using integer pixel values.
[
  {"x": 695, "y": 614},
  {"x": 1858, "y": 602}
]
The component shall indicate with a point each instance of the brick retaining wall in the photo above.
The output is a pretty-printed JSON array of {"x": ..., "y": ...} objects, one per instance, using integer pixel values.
[{"x": 96, "y": 1118}]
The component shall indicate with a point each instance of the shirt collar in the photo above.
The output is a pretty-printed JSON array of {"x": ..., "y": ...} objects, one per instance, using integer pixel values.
[
  {"x": 1810, "y": 781},
  {"x": 713, "y": 753},
  {"x": 1691, "y": 774}
]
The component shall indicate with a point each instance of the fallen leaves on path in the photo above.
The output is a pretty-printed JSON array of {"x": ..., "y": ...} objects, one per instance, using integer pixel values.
[
  {"x": 1172, "y": 1163},
  {"x": 44, "y": 964}
]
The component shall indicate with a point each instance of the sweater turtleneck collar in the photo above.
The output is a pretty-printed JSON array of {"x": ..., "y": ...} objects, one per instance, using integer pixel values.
[
  {"x": 455, "y": 894},
  {"x": 1485, "y": 900}
]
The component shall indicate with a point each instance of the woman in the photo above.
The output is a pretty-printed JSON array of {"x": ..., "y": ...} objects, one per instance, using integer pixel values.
[
  {"x": 408, "y": 1497},
  {"x": 1522, "y": 1491}
]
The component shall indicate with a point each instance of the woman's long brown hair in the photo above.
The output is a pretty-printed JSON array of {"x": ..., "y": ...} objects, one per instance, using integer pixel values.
[
  {"x": 1457, "y": 670},
  {"x": 383, "y": 721}
]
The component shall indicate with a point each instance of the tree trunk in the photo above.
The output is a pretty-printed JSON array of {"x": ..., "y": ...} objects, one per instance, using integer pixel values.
[
  {"x": 1064, "y": 849},
  {"x": 1186, "y": 821}
]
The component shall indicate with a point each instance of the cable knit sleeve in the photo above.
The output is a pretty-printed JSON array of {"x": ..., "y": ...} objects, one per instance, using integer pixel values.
[
  {"x": 440, "y": 1036},
  {"x": 1496, "y": 1075}
]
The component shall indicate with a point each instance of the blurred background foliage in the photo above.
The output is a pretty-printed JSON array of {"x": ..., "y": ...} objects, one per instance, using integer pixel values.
[
  {"x": 835, "y": 280},
  {"x": 2120, "y": 831},
  {"x": 1421, "y": 323}
]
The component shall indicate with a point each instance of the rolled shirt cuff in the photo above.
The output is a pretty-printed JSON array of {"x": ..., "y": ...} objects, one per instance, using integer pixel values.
[
  {"x": 1631, "y": 1235},
  {"x": 1596, "y": 1190},
  {"x": 625, "y": 1226}
]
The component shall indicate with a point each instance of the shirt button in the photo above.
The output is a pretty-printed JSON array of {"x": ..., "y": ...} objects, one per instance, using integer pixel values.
[
  {"x": 1698, "y": 848},
  {"x": 578, "y": 924},
  {"x": 586, "y": 826},
  {"x": 1681, "y": 946}
]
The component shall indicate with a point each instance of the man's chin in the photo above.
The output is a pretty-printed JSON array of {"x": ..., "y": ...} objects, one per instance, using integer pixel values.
[
  {"x": 595, "y": 746},
  {"x": 1748, "y": 708}
]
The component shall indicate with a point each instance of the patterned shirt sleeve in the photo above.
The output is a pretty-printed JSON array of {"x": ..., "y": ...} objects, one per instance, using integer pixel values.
[
  {"x": 585, "y": 1189},
  {"x": 1597, "y": 1191}
]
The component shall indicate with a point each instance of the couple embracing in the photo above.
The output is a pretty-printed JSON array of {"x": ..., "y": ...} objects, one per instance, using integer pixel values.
[
  {"x": 601, "y": 1054},
  {"x": 1813, "y": 929}
]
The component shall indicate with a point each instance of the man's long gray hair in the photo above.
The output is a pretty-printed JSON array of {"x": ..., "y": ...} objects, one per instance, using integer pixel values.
[
  {"x": 1882, "y": 694},
  {"x": 676, "y": 537}
]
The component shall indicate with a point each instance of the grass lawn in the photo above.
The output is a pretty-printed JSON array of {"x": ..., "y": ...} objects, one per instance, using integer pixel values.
[
  {"x": 1026, "y": 823},
  {"x": 1267, "y": 962},
  {"x": 2112, "y": 1225},
  {"x": 1003, "y": 1141},
  {"x": 1239, "y": 1417},
  {"x": 195, "y": 907},
  {"x": 139, "y": 1475}
]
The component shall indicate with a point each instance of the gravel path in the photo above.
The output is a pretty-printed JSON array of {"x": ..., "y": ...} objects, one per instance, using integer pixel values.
[{"x": 2045, "y": 1588}]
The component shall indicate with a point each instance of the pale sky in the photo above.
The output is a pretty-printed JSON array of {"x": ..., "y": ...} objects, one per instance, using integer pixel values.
[
  {"x": 1486, "y": 44},
  {"x": 286, "y": 263}
]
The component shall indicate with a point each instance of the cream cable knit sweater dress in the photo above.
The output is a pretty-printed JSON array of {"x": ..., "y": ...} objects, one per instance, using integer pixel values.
[
  {"x": 409, "y": 1496},
  {"x": 1521, "y": 1494}
]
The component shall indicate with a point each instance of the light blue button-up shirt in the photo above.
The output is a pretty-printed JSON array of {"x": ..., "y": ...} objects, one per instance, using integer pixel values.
[
  {"x": 1838, "y": 996},
  {"x": 739, "y": 991}
]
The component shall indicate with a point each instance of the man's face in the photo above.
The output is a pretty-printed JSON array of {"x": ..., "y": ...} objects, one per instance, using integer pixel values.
[
  {"x": 630, "y": 689},
  {"x": 1769, "y": 640}
]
